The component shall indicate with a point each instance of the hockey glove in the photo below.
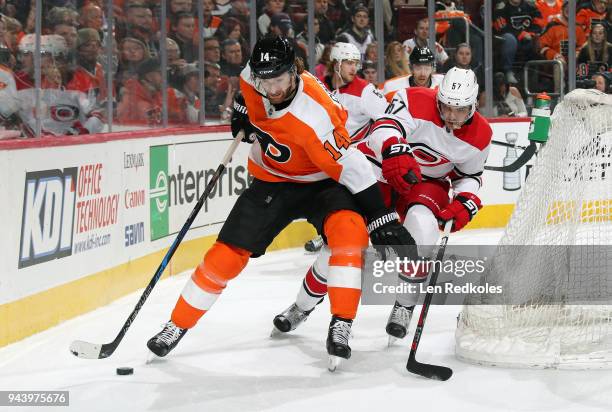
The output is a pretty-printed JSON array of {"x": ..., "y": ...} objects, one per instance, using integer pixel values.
[
  {"x": 386, "y": 231},
  {"x": 399, "y": 167},
  {"x": 240, "y": 120},
  {"x": 462, "y": 209}
]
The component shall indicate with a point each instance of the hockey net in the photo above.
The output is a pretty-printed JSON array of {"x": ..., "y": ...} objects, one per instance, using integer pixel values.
[{"x": 556, "y": 305}]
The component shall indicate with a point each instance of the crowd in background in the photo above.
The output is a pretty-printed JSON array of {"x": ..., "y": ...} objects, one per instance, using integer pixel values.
[{"x": 75, "y": 63}]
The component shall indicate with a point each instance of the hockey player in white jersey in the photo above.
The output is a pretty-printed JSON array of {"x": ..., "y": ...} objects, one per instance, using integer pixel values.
[
  {"x": 450, "y": 140},
  {"x": 62, "y": 112},
  {"x": 363, "y": 102},
  {"x": 422, "y": 66}
]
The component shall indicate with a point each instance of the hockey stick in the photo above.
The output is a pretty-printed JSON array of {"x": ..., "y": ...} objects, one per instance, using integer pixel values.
[
  {"x": 88, "y": 350},
  {"x": 426, "y": 370},
  {"x": 519, "y": 162}
]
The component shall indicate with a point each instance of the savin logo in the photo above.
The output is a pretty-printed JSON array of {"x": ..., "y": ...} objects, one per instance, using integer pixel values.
[
  {"x": 158, "y": 194},
  {"x": 48, "y": 216}
]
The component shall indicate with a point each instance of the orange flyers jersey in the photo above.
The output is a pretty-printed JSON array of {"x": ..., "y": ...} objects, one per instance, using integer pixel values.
[{"x": 306, "y": 141}]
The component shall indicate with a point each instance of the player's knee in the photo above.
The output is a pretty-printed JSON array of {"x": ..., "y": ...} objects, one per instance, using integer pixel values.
[
  {"x": 422, "y": 224},
  {"x": 221, "y": 263},
  {"x": 347, "y": 237},
  {"x": 345, "y": 228}
]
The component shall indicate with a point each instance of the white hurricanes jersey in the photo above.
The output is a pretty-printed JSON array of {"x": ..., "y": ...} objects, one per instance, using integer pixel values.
[
  {"x": 457, "y": 154},
  {"x": 60, "y": 109},
  {"x": 364, "y": 104},
  {"x": 404, "y": 82}
]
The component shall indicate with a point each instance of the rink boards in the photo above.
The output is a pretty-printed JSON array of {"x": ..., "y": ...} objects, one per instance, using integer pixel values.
[{"x": 87, "y": 220}]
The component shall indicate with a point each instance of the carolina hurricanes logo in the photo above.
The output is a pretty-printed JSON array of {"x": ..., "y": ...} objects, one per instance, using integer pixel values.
[
  {"x": 426, "y": 156},
  {"x": 271, "y": 148},
  {"x": 63, "y": 113}
]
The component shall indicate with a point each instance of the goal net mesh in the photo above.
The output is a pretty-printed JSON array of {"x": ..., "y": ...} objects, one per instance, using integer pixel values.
[{"x": 554, "y": 260}]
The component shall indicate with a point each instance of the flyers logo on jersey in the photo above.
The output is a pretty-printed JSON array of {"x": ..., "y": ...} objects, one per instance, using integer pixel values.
[
  {"x": 426, "y": 156},
  {"x": 271, "y": 148}
]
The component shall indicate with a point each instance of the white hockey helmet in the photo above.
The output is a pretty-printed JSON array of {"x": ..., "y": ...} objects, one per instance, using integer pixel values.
[
  {"x": 345, "y": 51},
  {"x": 459, "y": 88},
  {"x": 53, "y": 44}
]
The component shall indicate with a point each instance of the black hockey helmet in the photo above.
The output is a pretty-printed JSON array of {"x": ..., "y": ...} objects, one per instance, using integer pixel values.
[
  {"x": 421, "y": 55},
  {"x": 271, "y": 57}
]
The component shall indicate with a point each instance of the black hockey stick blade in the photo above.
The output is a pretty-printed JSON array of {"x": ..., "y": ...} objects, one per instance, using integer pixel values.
[
  {"x": 426, "y": 370},
  {"x": 519, "y": 162}
]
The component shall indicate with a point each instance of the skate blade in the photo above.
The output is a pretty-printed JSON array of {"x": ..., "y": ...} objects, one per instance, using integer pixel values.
[
  {"x": 333, "y": 363},
  {"x": 151, "y": 358},
  {"x": 391, "y": 341},
  {"x": 276, "y": 332}
]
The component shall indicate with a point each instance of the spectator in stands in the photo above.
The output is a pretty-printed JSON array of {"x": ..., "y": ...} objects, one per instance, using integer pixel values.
[
  {"x": 91, "y": 16},
  {"x": 217, "y": 103},
  {"x": 176, "y": 7},
  {"x": 62, "y": 15},
  {"x": 88, "y": 76},
  {"x": 14, "y": 32},
  {"x": 211, "y": 23},
  {"x": 321, "y": 68},
  {"x": 327, "y": 30},
  {"x": 68, "y": 32},
  {"x": 182, "y": 29},
  {"x": 232, "y": 62},
  {"x": 222, "y": 7},
  {"x": 514, "y": 20},
  {"x": 421, "y": 38},
  {"x": 176, "y": 64},
  {"x": 553, "y": 41},
  {"x": 141, "y": 102},
  {"x": 272, "y": 7},
  {"x": 591, "y": 13},
  {"x": 139, "y": 24},
  {"x": 232, "y": 28},
  {"x": 359, "y": 34},
  {"x": 596, "y": 51},
  {"x": 507, "y": 100},
  {"x": 463, "y": 56},
  {"x": 281, "y": 25},
  {"x": 132, "y": 52},
  {"x": 191, "y": 91},
  {"x": 396, "y": 63},
  {"x": 302, "y": 40},
  {"x": 369, "y": 70},
  {"x": 371, "y": 52},
  {"x": 191, "y": 85},
  {"x": 239, "y": 10},
  {"x": 549, "y": 9},
  {"x": 603, "y": 82},
  {"x": 212, "y": 50}
]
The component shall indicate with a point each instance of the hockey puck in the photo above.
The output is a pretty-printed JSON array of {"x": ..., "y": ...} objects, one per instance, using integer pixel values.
[{"x": 125, "y": 371}]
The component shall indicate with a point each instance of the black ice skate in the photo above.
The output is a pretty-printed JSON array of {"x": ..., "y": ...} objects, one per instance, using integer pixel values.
[
  {"x": 337, "y": 341},
  {"x": 289, "y": 319},
  {"x": 398, "y": 322},
  {"x": 314, "y": 245},
  {"x": 162, "y": 343}
]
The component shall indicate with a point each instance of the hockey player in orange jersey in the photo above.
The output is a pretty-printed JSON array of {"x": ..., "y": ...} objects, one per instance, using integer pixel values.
[{"x": 299, "y": 142}]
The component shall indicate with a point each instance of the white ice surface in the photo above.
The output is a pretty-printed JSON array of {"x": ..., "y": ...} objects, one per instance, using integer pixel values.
[{"x": 228, "y": 362}]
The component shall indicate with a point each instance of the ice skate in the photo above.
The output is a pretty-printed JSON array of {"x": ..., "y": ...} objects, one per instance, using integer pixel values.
[
  {"x": 398, "y": 322},
  {"x": 289, "y": 320},
  {"x": 162, "y": 343},
  {"x": 337, "y": 341}
]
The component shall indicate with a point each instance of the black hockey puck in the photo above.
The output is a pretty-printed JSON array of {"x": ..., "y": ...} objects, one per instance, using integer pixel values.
[{"x": 125, "y": 371}]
